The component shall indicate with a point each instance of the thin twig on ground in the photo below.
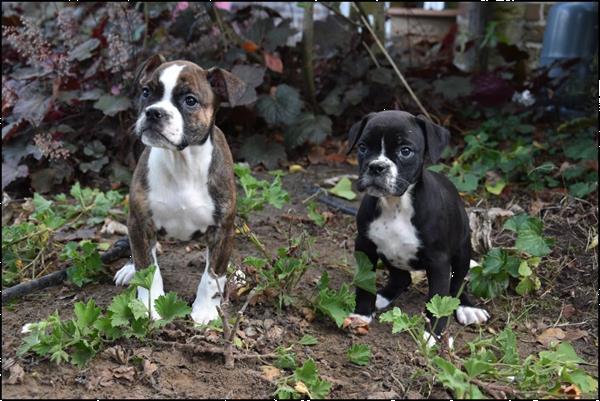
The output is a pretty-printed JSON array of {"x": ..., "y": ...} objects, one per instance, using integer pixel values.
[{"x": 367, "y": 25}]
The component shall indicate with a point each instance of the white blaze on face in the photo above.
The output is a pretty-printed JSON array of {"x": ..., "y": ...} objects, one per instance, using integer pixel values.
[
  {"x": 392, "y": 172},
  {"x": 173, "y": 130}
]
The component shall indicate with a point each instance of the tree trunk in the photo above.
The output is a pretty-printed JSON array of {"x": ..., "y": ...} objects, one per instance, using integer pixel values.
[{"x": 308, "y": 53}]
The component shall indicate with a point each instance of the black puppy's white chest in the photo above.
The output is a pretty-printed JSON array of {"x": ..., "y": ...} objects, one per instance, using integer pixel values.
[{"x": 393, "y": 232}]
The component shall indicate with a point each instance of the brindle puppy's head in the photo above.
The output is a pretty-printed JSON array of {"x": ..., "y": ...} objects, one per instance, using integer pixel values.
[
  {"x": 178, "y": 101},
  {"x": 391, "y": 150}
]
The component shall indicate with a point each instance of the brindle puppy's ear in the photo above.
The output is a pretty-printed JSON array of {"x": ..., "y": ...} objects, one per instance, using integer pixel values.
[
  {"x": 356, "y": 131},
  {"x": 147, "y": 67},
  {"x": 436, "y": 137},
  {"x": 226, "y": 85}
]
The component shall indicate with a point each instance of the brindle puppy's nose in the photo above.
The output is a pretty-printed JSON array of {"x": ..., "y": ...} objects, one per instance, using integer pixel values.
[
  {"x": 378, "y": 167},
  {"x": 155, "y": 114}
]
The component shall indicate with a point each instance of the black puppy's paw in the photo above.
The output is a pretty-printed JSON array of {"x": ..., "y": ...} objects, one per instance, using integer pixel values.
[
  {"x": 357, "y": 324},
  {"x": 467, "y": 315}
]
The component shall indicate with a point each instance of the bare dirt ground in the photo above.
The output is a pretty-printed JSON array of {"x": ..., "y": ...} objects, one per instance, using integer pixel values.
[{"x": 569, "y": 277}]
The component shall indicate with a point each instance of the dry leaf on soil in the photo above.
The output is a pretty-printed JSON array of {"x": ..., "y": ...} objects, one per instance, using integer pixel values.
[
  {"x": 149, "y": 368},
  {"x": 551, "y": 335},
  {"x": 571, "y": 391},
  {"x": 124, "y": 372},
  {"x": 301, "y": 388},
  {"x": 568, "y": 311},
  {"x": 16, "y": 374},
  {"x": 270, "y": 372}
]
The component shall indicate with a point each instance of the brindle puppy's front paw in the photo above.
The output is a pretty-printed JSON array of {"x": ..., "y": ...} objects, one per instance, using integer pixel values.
[
  {"x": 125, "y": 274},
  {"x": 357, "y": 324},
  {"x": 203, "y": 314}
]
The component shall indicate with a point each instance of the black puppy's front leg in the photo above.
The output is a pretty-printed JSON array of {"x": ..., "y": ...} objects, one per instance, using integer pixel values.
[
  {"x": 365, "y": 301},
  {"x": 438, "y": 276}
]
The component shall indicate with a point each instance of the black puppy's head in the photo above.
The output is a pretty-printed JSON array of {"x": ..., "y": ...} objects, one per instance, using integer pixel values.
[
  {"x": 391, "y": 150},
  {"x": 179, "y": 99}
]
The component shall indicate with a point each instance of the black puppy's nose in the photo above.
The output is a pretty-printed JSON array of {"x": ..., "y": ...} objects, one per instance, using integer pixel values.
[
  {"x": 378, "y": 167},
  {"x": 155, "y": 114}
]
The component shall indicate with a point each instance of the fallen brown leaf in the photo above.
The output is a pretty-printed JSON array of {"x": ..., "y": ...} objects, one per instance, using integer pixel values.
[
  {"x": 568, "y": 311},
  {"x": 148, "y": 368},
  {"x": 536, "y": 206},
  {"x": 308, "y": 314},
  {"x": 551, "y": 335},
  {"x": 270, "y": 372},
  {"x": 16, "y": 374},
  {"x": 124, "y": 372},
  {"x": 301, "y": 388},
  {"x": 572, "y": 391},
  {"x": 118, "y": 354},
  {"x": 104, "y": 379},
  {"x": 575, "y": 334},
  {"x": 356, "y": 325}
]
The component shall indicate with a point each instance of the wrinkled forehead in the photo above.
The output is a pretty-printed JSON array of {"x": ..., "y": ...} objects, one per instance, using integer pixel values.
[
  {"x": 181, "y": 74},
  {"x": 395, "y": 128}
]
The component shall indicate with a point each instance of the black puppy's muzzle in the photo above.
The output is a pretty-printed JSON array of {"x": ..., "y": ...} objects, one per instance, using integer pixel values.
[{"x": 377, "y": 167}]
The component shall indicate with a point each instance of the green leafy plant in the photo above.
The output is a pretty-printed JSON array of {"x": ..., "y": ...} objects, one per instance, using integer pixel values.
[
  {"x": 307, "y": 339},
  {"x": 365, "y": 275},
  {"x": 305, "y": 381},
  {"x": 493, "y": 276},
  {"x": 359, "y": 354},
  {"x": 493, "y": 361},
  {"x": 79, "y": 339},
  {"x": 258, "y": 193},
  {"x": 278, "y": 276},
  {"x": 314, "y": 214},
  {"x": 29, "y": 247},
  {"x": 85, "y": 260},
  {"x": 335, "y": 304}
]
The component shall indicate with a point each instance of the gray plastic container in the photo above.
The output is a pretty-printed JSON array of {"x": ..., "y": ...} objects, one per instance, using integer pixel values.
[{"x": 571, "y": 32}]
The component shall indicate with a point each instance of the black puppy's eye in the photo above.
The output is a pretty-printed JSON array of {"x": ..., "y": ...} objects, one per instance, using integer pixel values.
[
  {"x": 362, "y": 148},
  {"x": 405, "y": 151},
  {"x": 190, "y": 101},
  {"x": 145, "y": 91}
]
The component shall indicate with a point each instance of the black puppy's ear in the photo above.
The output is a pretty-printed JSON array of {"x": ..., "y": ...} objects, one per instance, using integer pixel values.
[
  {"x": 437, "y": 137},
  {"x": 226, "y": 85},
  {"x": 356, "y": 131},
  {"x": 147, "y": 67}
]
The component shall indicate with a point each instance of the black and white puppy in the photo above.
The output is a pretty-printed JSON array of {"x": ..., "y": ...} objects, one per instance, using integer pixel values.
[
  {"x": 410, "y": 217},
  {"x": 183, "y": 185}
]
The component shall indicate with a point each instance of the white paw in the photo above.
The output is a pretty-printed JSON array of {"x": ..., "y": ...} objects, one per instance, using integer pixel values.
[
  {"x": 203, "y": 314},
  {"x": 363, "y": 318},
  {"x": 473, "y": 263},
  {"x": 382, "y": 302},
  {"x": 26, "y": 328},
  {"x": 125, "y": 274},
  {"x": 431, "y": 340},
  {"x": 467, "y": 315},
  {"x": 208, "y": 297}
]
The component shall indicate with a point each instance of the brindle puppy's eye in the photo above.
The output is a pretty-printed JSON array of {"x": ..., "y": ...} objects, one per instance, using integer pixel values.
[
  {"x": 362, "y": 148},
  {"x": 405, "y": 151},
  {"x": 190, "y": 101},
  {"x": 145, "y": 91}
]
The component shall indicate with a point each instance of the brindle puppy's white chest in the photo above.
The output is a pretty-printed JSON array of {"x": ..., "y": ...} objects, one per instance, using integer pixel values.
[
  {"x": 393, "y": 232},
  {"x": 178, "y": 193}
]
